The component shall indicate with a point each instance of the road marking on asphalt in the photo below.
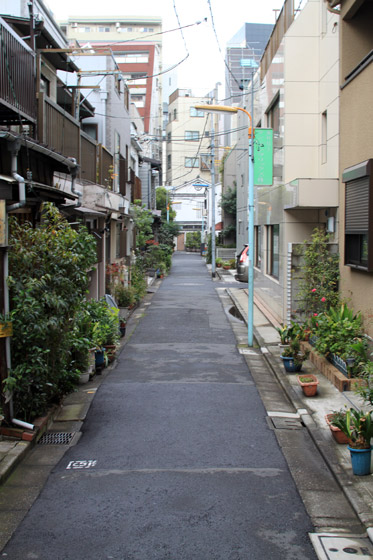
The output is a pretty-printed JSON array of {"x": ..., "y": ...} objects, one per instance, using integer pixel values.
[
  {"x": 282, "y": 414},
  {"x": 81, "y": 464},
  {"x": 248, "y": 352},
  {"x": 339, "y": 547}
]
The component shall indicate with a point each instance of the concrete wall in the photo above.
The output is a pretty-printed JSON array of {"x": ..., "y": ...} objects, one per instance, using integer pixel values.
[{"x": 303, "y": 76}]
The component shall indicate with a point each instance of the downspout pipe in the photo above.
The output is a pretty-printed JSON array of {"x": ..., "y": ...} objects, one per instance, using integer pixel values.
[
  {"x": 14, "y": 149},
  {"x": 73, "y": 173}
]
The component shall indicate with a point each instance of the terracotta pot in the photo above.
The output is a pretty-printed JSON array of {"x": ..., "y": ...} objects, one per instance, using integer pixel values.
[
  {"x": 337, "y": 434},
  {"x": 309, "y": 387}
]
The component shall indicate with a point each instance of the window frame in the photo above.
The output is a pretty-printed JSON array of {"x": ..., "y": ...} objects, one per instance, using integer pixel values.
[
  {"x": 194, "y": 159},
  {"x": 193, "y": 112},
  {"x": 358, "y": 229},
  {"x": 191, "y": 136},
  {"x": 270, "y": 251}
]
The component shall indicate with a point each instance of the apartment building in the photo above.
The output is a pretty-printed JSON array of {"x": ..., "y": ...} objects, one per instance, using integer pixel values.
[
  {"x": 136, "y": 42},
  {"x": 188, "y": 140},
  {"x": 297, "y": 96},
  {"x": 47, "y": 152}
]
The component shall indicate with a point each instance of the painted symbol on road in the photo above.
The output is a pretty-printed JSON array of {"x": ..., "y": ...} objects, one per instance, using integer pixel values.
[{"x": 81, "y": 464}]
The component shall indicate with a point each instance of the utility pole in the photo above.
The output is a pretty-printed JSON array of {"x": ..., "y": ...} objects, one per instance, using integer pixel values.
[{"x": 213, "y": 238}]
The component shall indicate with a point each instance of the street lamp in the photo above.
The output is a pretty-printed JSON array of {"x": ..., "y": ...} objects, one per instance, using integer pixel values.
[{"x": 227, "y": 109}]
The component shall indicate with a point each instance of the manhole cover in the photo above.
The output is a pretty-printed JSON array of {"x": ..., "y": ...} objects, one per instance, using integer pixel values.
[
  {"x": 286, "y": 423},
  {"x": 56, "y": 438},
  {"x": 335, "y": 547}
]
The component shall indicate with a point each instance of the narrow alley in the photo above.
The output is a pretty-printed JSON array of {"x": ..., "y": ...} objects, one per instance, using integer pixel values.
[{"x": 179, "y": 460}]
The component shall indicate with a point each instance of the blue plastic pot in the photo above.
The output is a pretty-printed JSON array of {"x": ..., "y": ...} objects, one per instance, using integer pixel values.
[
  {"x": 99, "y": 358},
  {"x": 360, "y": 460},
  {"x": 290, "y": 365}
]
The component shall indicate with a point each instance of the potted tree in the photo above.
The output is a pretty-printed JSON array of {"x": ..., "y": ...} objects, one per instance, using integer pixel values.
[{"x": 358, "y": 427}]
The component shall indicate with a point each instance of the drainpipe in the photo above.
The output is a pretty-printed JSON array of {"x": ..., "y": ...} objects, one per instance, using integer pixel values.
[
  {"x": 14, "y": 149},
  {"x": 74, "y": 172}
]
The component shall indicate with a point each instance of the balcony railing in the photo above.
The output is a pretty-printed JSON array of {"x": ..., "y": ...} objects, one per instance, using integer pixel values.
[
  {"x": 58, "y": 130},
  {"x": 17, "y": 80}
]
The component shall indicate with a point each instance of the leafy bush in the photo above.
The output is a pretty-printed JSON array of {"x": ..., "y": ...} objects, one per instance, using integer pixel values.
[
  {"x": 124, "y": 296},
  {"x": 339, "y": 331},
  {"x": 319, "y": 287},
  {"x": 47, "y": 281}
]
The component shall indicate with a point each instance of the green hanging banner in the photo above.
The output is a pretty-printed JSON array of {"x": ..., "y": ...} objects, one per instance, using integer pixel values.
[{"x": 263, "y": 157}]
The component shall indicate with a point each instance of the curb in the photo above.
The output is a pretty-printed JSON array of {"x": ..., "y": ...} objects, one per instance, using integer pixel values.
[{"x": 363, "y": 512}]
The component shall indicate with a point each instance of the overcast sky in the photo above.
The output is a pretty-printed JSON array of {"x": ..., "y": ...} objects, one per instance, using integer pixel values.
[{"x": 204, "y": 65}]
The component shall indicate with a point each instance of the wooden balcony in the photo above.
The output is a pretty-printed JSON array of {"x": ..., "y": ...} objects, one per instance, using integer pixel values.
[
  {"x": 17, "y": 80},
  {"x": 58, "y": 130}
]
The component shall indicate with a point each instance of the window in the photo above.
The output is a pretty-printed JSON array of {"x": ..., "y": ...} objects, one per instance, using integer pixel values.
[
  {"x": 117, "y": 240},
  {"x": 84, "y": 29},
  {"x": 205, "y": 162},
  {"x": 191, "y": 162},
  {"x": 359, "y": 216},
  {"x": 258, "y": 247},
  {"x": 168, "y": 136},
  {"x": 132, "y": 58},
  {"x": 90, "y": 129},
  {"x": 175, "y": 114},
  {"x": 169, "y": 161},
  {"x": 191, "y": 135},
  {"x": 273, "y": 251},
  {"x": 104, "y": 29},
  {"x": 196, "y": 112},
  {"x": 273, "y": 116}
]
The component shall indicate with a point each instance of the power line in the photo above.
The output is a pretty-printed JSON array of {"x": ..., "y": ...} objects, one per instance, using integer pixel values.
[{"x": 218, "y": 43}]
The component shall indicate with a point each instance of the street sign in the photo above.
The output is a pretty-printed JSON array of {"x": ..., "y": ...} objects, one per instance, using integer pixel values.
[{"x": 263, "y": 157}]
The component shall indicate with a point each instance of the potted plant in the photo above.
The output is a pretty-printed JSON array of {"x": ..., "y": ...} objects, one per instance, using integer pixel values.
[
  {"x": 358, "y": 427},
  {"x": 292, "y": 356},
  {"x": 337, "y": 433},
  {"x": 309, "y": 384},
  {"x": 226, "y": 265},
  {"x": 219, "y": 262},
  {"x": 284, "y": 332}
]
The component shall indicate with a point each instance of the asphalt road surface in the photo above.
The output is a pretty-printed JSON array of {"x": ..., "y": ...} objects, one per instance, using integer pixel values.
[{"x": 176, "y": 460}]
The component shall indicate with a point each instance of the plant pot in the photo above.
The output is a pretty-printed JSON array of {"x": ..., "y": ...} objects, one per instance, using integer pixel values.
[
  {"x": 309, "y": 388},
  {"x": 337, "y": 434},
  {"x": 290, "y": 365},
  {"x": 84, "y": 378},
  {"x": 99, "y": 358},
  {"x": 360, "y": 461},
  {"x": 226, "y": 267}
]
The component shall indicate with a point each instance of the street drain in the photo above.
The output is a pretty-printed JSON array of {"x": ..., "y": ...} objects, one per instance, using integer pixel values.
[
  {"x": 338, "y": 547},
  {"x": 283, "y": 423},
  {"x": 56, "y": 438}
]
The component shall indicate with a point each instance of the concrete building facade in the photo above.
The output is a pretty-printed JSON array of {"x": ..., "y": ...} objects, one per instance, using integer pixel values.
[
  {"x": 355, "y": 21},
  {"x": 297, "y": 95}
]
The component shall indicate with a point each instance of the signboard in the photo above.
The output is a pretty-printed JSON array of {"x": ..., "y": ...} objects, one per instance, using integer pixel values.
[
  {"x": 3, "y": 239},
  {"x": 263, "y": 157},
  {"x": 248, "y": 63}
]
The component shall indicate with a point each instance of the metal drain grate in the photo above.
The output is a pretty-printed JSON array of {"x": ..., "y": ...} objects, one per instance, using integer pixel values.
[{"x": 56, "y": 438}]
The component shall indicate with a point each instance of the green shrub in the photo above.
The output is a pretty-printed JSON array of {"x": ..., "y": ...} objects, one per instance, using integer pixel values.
[
  {"x": 124, "y": 296},
  {"x": 48, "y": 279}
]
